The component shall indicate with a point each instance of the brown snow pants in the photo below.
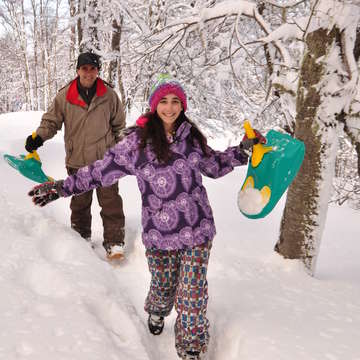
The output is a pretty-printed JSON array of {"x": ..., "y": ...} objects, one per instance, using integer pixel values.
[{"x": 112, "y": 213}]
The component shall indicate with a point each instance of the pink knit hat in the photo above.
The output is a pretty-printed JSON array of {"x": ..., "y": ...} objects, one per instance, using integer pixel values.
[{"x": 164, "y": 86}]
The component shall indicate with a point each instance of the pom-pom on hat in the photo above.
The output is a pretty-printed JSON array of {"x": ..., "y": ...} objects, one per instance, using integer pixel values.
[
  {"x": 165, "y": 85},
  {"x": 141, "y": 121}
]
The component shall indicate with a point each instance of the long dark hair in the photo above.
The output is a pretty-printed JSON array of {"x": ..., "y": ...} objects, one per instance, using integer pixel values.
[{"x": 154, "y": 133}]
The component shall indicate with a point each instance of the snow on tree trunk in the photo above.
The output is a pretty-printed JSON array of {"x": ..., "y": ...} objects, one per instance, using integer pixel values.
[
  {"x": 23, "y": 42},
  {"x": 90, "y": 40},
  {"x": 36, "y": 65},
  {"x": 358, "y": 154},
  {"x": 115, "y": 71},
  {"x": 115, "y": 47},
  {"x": 72, "y": 46},
  {"x": 81, "y": 23},
  {"x": 318, "y": 103}
]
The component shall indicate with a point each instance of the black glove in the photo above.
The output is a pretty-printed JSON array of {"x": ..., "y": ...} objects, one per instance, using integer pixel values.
[
  {"x": 247, "y": 144},
  {"x": 46, "y": 192},
  {"x": 33, "y": 144}
]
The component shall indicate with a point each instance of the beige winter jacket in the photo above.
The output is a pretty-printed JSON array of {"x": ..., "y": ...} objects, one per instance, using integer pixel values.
[{"x": 89, "y": 130}]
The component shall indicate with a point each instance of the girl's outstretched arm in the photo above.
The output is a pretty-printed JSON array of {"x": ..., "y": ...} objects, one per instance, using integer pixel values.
[
  {"x": 116, "y": 163},
  {"x": 220, "y": 163}
]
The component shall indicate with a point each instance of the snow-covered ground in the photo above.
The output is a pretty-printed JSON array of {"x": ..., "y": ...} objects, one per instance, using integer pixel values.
[{"x": 60, "y": 301}]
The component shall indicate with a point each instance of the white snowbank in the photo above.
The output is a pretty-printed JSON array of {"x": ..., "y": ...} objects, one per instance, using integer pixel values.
[{"x": 61, "y": 301}]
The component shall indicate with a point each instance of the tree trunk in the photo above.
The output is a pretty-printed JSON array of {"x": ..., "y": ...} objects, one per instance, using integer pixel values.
[
  {"x": 307, "y": 199},
  {"x": 35, "y": 36},
  {"x": 115, "y": 73},
  {"x": 23, "y": 42},
  {"x": 88, "y": 23},
  {"x": 43, "y": 42},
  {"x": 347, "y": 130},
  {"x": 90, "y": 39},
  {"x": 72, "y": 8},
  {"x": 115, "y": 48},
  {"x": 357, "y": 148},
  {"x": 55, "y": 85},
  {"x": 80, "y": 23}
]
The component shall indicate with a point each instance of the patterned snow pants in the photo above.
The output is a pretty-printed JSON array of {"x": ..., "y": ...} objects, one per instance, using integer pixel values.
[{"x": 179, "y": 277}]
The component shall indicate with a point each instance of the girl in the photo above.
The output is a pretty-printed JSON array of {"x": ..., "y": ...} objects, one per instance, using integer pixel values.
[{"x": 168, "y": 155}]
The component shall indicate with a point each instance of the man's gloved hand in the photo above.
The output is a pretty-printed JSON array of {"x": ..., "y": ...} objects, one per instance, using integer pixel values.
[
  {"x": 33, "y": 144},
  {"x": 46, "y": 192}
]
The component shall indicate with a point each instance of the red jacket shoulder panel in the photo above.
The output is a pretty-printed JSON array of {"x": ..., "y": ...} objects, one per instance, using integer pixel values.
[{"x": 72, "y": 95}]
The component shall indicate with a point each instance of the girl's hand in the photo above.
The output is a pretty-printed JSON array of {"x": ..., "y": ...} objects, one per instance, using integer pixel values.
[
  {"x": 247, "y": 144},
  {"x": 46, "y": 192}
]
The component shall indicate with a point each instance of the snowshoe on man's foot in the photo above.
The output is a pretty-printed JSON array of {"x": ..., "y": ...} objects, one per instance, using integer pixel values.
[{"x": 156, "y": 324}]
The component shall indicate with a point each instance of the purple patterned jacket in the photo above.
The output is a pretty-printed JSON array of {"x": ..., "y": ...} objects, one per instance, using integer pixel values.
[{"x": 175, "y": 208}]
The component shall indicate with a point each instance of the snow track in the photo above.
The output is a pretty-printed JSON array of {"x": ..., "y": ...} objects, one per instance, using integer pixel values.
[{"x": 60, "y": 301}]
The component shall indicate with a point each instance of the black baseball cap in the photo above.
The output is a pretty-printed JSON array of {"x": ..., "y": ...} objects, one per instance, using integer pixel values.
[{"x": 88, "y": 58}]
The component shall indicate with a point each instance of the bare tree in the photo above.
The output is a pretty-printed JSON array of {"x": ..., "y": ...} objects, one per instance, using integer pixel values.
[{"x": 13, "y": 14}]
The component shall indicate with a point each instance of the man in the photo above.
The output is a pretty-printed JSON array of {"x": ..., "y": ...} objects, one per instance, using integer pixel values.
[{"x": 93, "y": 118}]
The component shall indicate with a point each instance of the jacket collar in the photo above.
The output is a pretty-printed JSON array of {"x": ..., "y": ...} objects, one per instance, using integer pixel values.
[{"x": 73, "y": 97}]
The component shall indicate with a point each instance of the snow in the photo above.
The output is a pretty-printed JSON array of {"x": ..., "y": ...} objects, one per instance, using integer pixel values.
[
  {"x": 60, "y": 300},
  {"x": 250, "y": 201}
]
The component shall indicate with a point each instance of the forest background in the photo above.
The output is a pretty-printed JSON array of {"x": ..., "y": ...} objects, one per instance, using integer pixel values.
[{"x": 291, "y": 66}]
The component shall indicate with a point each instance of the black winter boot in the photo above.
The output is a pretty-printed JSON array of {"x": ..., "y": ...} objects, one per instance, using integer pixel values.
[
  {"x": 156, "y": 324},
  {"x": 192, "y": 355}
]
